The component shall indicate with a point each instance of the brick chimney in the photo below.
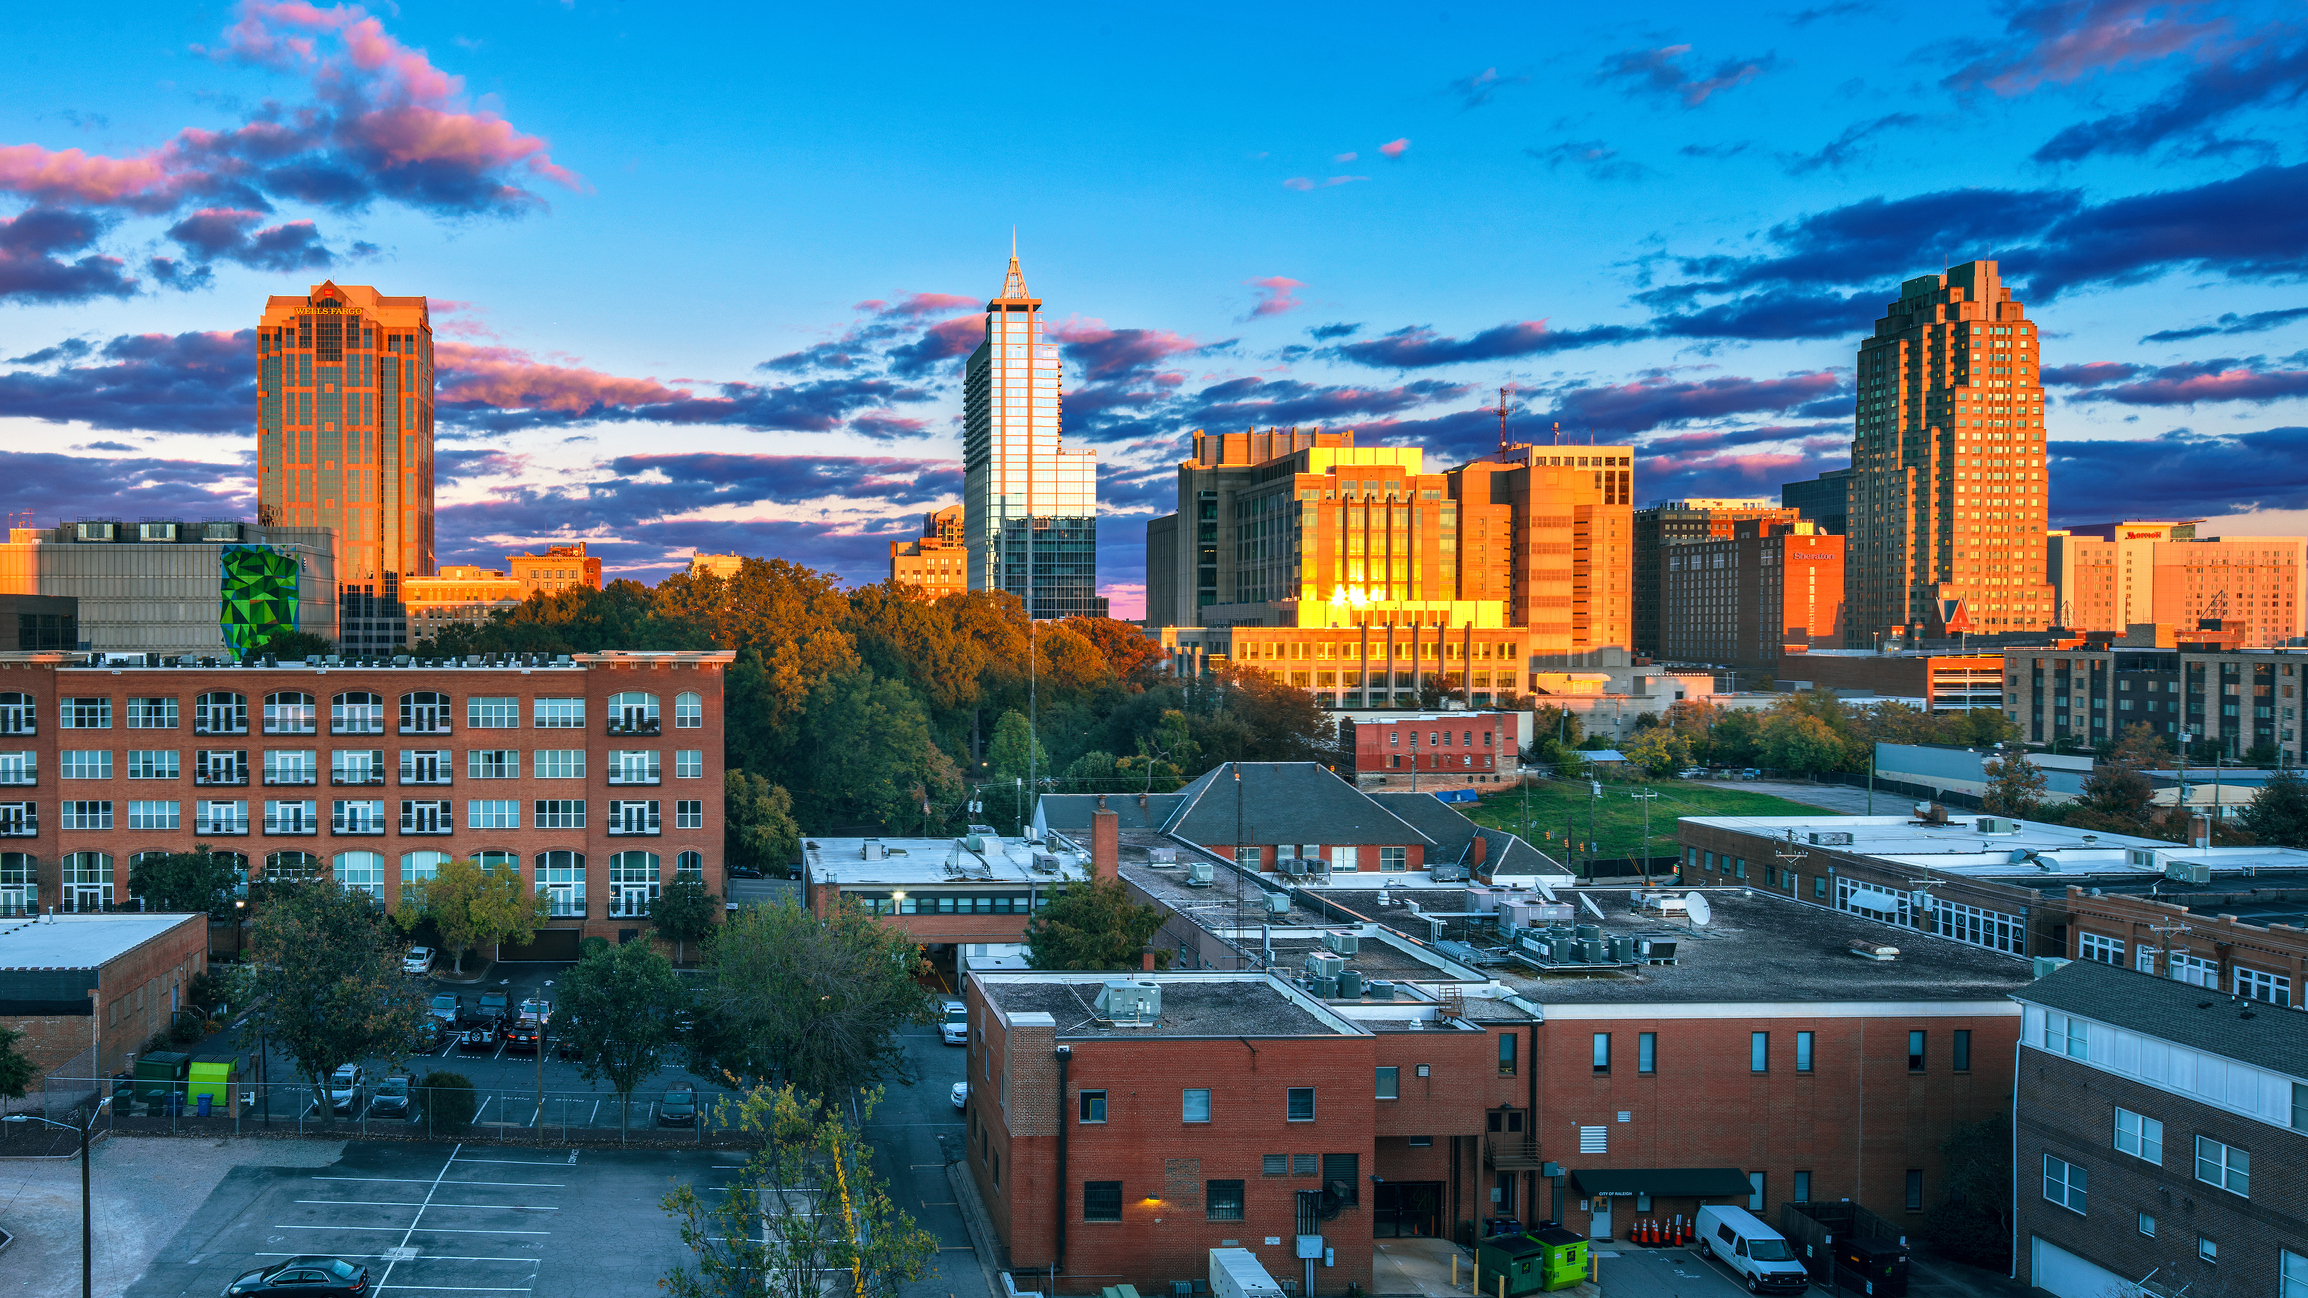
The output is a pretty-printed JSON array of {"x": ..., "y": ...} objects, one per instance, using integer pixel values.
[
  {"x": 2200, "y": 830},
  {"x": 1146, "y": 961},
  {"x": 1105, "y": 843},
  {"x": 1478, "y": 852}
]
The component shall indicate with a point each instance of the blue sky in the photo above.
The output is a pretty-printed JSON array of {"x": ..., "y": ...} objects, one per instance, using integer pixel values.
[{"x": 705, "y": 275}]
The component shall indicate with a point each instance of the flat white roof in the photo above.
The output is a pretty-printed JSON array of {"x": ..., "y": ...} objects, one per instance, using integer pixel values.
[
  {"x": 1961, "y": 847},
  {"x": 913, "y": 862},
  {"x": 83, "y": 941}
]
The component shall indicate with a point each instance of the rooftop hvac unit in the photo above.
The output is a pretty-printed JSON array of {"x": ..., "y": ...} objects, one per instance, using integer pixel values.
[
  {"x": 1866, "y": 950},
  {"x": 1163, "y": 854},
  {"x": 1341, "y": 941},
  {"x": 1293, "y": 866},
  {"x": 1322, "y": 988},
  {"x": 1998, "y": 825},
  {"x": 1449, "y": 873},
  {"x": 1126, "y": 1001},
  {"x": 2187, "y": 872},
  {"x": 871, "y": 849},
  {"x": 1198, "y": 874},
  {"x": 2044, "y": 964},
  {"x": 1350, "y": 984},
  {"x": 1277, "y": 903},
  {"x": 1322, "y": 964},
  {"x": 1835, "y": 839}
]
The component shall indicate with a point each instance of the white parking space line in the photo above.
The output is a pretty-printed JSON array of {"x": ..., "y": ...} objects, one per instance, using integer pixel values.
[
  {"x": 426, "y": 1202},
  {"x": 595, "y": 1115},
  {"x": 459, "y": 1288},
  {"x": 421, "y": 1257},
  {"x": 395, "y": 1180},
  {"x": 430, "y": 1230},
  {"x": 516, "y": 1162}
]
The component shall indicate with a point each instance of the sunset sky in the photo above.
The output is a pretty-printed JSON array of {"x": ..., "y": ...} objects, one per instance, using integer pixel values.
[{"x": 703, "y": 276}]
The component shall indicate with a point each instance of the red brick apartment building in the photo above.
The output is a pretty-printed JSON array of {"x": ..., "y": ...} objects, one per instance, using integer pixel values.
[
  {"x": 1445, "y": 749},
  {"x": 96, "y": 986},
  {"x": 600, "y": 778},
  {"x": 2161, "y": 1143}
]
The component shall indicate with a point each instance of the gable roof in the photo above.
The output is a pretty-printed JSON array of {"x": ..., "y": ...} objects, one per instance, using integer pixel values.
[
  {"x": 1452, "y": 832},
  {"x": 1284, "y": 802},
  {"x": 1069, "y": 813},
  {"x": 2201, "y": 1018}
]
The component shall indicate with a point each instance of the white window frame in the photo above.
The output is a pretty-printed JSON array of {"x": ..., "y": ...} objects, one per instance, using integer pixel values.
[
  {"x": 2101, "y": 950},
  {"x": 2140, "y": 1136},
  {"x": 2253, "y": 984},
  {"x": 2229, "y": 1166},
  {"x": 689, "y": 764},
  {"x": 2071, "y": 1181},
  {"x": 493, "y": 813},
  {"x": 155, "y": 814}
]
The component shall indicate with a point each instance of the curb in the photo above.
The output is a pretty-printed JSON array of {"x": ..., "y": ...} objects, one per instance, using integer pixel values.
[{"x": 980, "y": 1226}]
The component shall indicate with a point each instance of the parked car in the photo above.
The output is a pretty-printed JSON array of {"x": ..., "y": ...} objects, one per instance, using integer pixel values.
[
  {"x": 1757, "y": 1254},
  {"x": 1692, "y": 773},
  {"x": 565, "y": 1040},
  {"x": 480, "y": 1036},
  {"x": 391, "y": 1099},
  {"x": 956, "y": 1026},
  {"x": 496, "y": 1005},
  {"x": 316, "y": 1277},
  {"x": 449, "y": 1008},
  {"x": 678, "y": 1108},
  {"x": 418, "y": 960},
  {"x": 741, "y": 872},
  {"x": 345, "y": 1087},
  {"x": 1751, "y": 773},
  {"x": 528, "y": 1031},
  {"x": 960, "y": 1094}
]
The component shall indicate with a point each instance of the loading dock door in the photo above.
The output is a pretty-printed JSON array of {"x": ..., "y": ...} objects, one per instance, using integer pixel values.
[{"x": 548, "y": 944}]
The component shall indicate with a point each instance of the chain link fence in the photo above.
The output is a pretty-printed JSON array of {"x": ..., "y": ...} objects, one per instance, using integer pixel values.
[{"x": 508, "y": 1115}]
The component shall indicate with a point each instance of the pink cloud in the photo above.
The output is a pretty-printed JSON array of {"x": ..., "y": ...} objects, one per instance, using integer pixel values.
[
  {"x": 917, "y": 304},
  {"x": 1303, "y": 183},
  {"x": 2226, "y": 385},
  {"x": 1276, "y": 294},
  {"x": 1108, "y": 353},
  {"x": 1345, "y": 157},
  {"x": 2062, "y": 43},
  {"x": 1395, "y": 148},
  {"x": 513, "y": 380}
]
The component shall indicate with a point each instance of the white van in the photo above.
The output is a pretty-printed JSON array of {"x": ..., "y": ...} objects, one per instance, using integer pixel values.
[{"x": 1756, "y": 1253}]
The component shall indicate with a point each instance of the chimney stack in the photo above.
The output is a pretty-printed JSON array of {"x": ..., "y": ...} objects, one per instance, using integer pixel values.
[
  {"x": 1105, "y": 843},
  {"x": 2200, "y": 830},
  {"x": 1146, "y": 961},
  {"x": 1478, "y": 851}
]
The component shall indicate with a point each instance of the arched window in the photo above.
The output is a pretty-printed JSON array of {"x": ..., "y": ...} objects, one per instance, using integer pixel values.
[
  {"x": 291, "y": 867},
  {"x": 424, "y": 713},
  {"x": 19, "y": 715},
  {"x": 491, "y": 861},
  {"x": 688, "y": 711},
  {"x": 418, "y": 866},
  {"x": 220, "y": 712},
  {"x": 632, "y": 884},
  {"x": 633, "y": 713},
  {"x": 87, "y": 882},
  {"x": 288, "y": 713},
  {"x": 362, "y": 870},
  {"x": 19, "y": 885},
  {"x": 689, "y": 867},
  {"x": 561, "y": 877},
  {"x": 357, "y": 713}
]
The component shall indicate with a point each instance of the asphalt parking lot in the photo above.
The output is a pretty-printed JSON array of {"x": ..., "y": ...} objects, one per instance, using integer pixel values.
[{"x": 447, "y": 1218}]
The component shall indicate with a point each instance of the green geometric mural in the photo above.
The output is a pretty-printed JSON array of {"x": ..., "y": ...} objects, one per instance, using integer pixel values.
[{"x": 260, "y": 597}]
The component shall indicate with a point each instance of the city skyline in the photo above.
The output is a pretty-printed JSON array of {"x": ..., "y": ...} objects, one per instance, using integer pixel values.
[{"x": 1616, "y": 219}]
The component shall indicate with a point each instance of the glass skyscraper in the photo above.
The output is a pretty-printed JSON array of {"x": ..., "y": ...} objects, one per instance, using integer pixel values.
[{"x": 1029, "y": 508}]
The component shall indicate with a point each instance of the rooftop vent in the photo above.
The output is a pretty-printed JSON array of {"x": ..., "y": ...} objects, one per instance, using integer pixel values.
[
  {"x": 2187, "y": 872},
  {"x": 1835, "y": 839},
  {"x": 1342, "y": 941},
  {"x": 1198, "y": 874},
  {"x": 1866, "y": 950},
  {"x": 1277, "y": 903},
  {"x": 1323, "y": 964},
  {"x": 871, "y": 849},
  {"x": 2044, "y": 964},
  {"x": 1129, "y": 1003}
]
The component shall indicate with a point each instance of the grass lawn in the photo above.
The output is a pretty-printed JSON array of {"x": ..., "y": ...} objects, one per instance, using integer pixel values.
[{"x": 1560, "y": 808}]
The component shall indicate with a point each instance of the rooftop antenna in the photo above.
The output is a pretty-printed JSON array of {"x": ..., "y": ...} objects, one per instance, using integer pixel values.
[
  {"x": 1502, "y": 411},
  {"x": 1558, "y": 432}
]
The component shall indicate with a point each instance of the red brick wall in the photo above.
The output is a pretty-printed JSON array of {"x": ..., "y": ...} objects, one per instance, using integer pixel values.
[
  {"x": 1384, "y": 746},
  {"x": 131, "y": 1003},
  {"x": 1857, "y": 1122},
  {"x": 596, "y": 681}
]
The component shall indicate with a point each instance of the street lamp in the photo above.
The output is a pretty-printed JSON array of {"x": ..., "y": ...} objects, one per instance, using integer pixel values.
[{"x": 87, "y": 1280}]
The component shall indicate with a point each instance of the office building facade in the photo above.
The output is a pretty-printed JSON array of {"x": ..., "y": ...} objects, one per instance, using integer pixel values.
[
  {"x": 936, "y": 562},
  {"x": 1680, "y": 522},
  {"x": 1029, "y": 507},
  {"x": 2237, "y": 701},
  {"x": 158, "y": 587},
  {"x": 1947, "y": 509},
  {"x": 557, "y": 568},
  {"x": 345, "y": 442},
  {"x": 2114, "y": 576},
  {"x": 597, "y": 778},
  {"x": 1825, "y": 500},
  {"x": 457, "y": 594},
  {"x": 1549, "y": 532},
  {"x": 1773, "y": 591}
]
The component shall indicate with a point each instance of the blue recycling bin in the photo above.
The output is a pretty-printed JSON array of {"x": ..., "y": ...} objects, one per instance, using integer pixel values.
[{"x": 205, "y": 1099}]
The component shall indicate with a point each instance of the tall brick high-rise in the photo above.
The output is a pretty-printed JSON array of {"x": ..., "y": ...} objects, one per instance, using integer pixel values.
[
  {"x": 345, "y": 441},
  {"x": 1947, "y": 455},
  {"x": 1550, "y": 531}
]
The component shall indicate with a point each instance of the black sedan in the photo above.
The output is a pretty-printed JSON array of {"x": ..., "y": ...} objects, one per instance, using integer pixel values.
[{"x": 313, "y": 1276}]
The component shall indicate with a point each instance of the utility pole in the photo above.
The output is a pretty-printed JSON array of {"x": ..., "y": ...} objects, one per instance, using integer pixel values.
[{"x": 1645, "y": 864}]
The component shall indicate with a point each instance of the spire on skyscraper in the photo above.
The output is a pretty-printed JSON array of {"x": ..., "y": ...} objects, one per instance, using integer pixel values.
[{"x": 1014, "y": 283}]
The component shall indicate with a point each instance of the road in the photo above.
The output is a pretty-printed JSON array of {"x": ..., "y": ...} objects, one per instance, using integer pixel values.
[{"x": 907, "y": 1155}]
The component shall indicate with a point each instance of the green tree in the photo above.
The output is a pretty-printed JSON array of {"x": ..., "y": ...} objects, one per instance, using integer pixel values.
[
  {"x": 471, "y": 907},
  {"x": 323, "y": 982},
  {"x": 817, "y": 1003},
  {"x": 1973, "y": 1223},
  {"x": 2015, "y": 785},
  {"x": 1013, "y": 741},
  {"x": 447, "y": 1103},
  {"x": 1658, "y": 750},
  {"x": 1795, "y": 740},
  {"x": 2117, "y": 796},
  {"x": 1094, "y": 772},
  {"x": 871, "y": 756},
  {"x": 759, "y": 829},
  {"x": 294, "y": 646},
  {"x": 2279, "y": 815},
  {"x": 618, "y": 1008},
  {"x": 683, "y": 913},
  {"x": 194, "y": 882},
  {"x": 806, "y": 1206},
  {"x": 1092, "y": 925},
  {"x": 16, "y": 1071}
]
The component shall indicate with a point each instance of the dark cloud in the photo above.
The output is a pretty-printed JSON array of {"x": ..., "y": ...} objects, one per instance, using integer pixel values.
[
  {"x": 178, "y": 383},
  {"x": 1822, "y": 13},
  {"x": 1417, "y": 347},
  {"x": 2255, "y": 76},
  {"x": 945, "y": 341},
  {"x": 816, "y": 406},
  {"x": 2063, "y": 41},
  {"x": 231, "y": 234},
  {"x": 1846, "y": 148},
  {"x": 2181, "y": 475},
  {"x": 1599, "y": 160},
  {"x": 1324, "y": 333},
  {"x": 1777, "y": 314},
  {"x": 1477, "y": 89},
  {"x": 1660, "y": 72},
  {"x": 2253, "y": 226},
  {"x": 1257, "y": 402},
  {"x": 1659, "y": 400},
  {"x": 31, "y": 269},
  {"x": 2232, "y": 323},
  {"x": 58, "y": 488},
  {"x": 2225, "y": 378}
]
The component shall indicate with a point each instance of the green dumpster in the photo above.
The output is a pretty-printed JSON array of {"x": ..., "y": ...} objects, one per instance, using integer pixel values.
[
  {"x": 1566, "y": 1260},
  {"x": 160, "y": 1078},
  {"x": 1519, "y": 1259}
]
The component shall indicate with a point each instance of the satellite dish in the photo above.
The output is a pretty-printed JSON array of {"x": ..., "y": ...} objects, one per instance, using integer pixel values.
[
  {"x": 1697, "y": 908},
  {"x": 1589, "y": 903}
]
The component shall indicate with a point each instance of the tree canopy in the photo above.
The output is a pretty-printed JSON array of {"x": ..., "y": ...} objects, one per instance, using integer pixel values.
[
  {"x": 323, "y": 981},
  {"x": 472, "y": 907},
  {"x": 1092, "y": 925},
  {"x": 198, "y": 881}
]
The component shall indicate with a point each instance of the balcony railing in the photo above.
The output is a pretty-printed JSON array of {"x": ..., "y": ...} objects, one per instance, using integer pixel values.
[
  {"x": 19, "y": 781},
  {"x": 353, "y": 778},
  {"x": 631, "y": 831},
  {"x": 211, "y": 778},
  {"x": 630, "y": 777},
  {"x": 291, "y": 827},
  {"x": 441, "y": 778},
  {"x": 234, "y": 825},
  {"x": 619, "y": 726},
  {"x": 419, "y": 829},
  {"x": 1514, "y": 1155}
]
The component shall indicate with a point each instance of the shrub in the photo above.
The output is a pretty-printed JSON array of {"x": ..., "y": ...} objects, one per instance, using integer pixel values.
[
  {"x": 591, "y": 945},
  {"x": 446, "y": 1102}
]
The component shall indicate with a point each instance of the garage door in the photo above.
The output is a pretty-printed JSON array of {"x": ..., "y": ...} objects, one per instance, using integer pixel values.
[
  {"x": 548, "y": 944},
  {"x": 2063, "y": 1273}
]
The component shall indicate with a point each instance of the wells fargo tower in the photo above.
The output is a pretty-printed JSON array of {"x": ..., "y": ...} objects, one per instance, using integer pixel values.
[
  {"x": 1946, "y": 529},
  {"x": 345, "y": 441}
]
